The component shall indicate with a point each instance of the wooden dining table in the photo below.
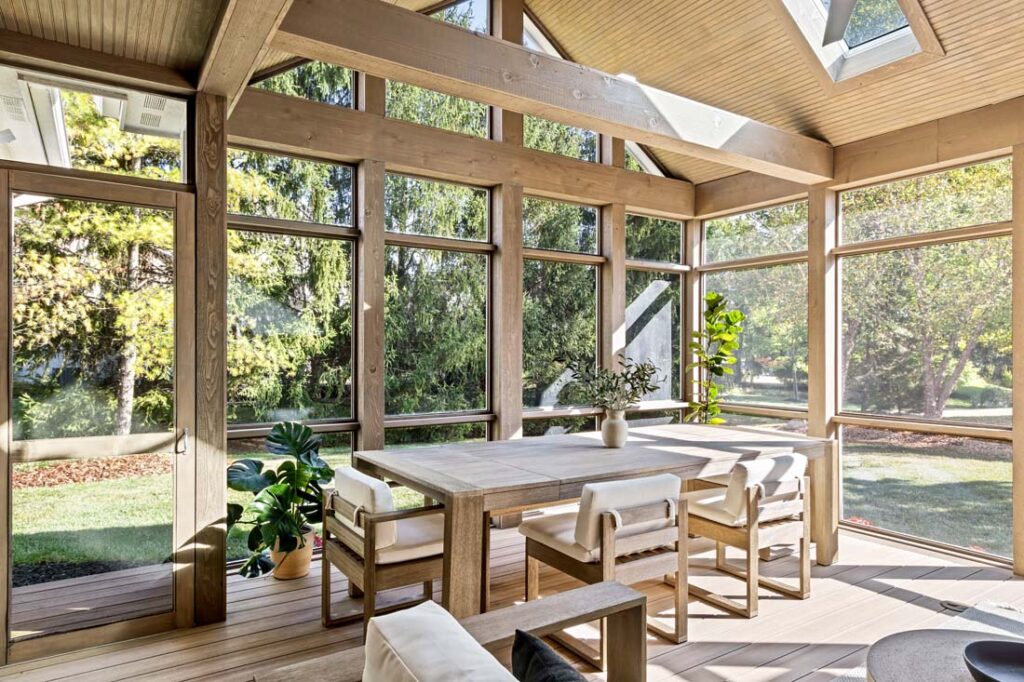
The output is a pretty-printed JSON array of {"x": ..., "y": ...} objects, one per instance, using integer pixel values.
[{"x": 477, "y": 480}]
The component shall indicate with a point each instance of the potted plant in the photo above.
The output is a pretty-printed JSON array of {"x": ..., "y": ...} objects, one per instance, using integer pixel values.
[
  {"x": 614, "y": 392},
  {"x": 713, "y": 348},
  {"x": 286, "y": 503}
]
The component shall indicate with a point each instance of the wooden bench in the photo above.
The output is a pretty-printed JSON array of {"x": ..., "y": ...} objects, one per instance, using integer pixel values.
[{"x": 624, "y": 608}]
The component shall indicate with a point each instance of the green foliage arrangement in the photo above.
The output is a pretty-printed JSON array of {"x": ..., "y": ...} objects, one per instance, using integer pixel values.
[
  {"x": 714, "y": 348},
  {"x": 286, "y": 502},
  {"x": 610, "y": 390}
]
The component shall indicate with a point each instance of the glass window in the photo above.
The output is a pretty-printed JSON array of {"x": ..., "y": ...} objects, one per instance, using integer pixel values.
[
  {"x": 653, "y": 327},
  {"x": 872, "y": 20},
  {"x": 93, "y": 318},
  {"x": 435, "y": 331},
  {"x": 772, "y": 423},
  {"x": 315, "y": 81},
  {"x": 559, "y": 327},
  {"x": 654, "y": 418},
  {"x": 423, "y": 436},
  {"x": 972, "y": 195},
  {"x": 437, "y": 209},
  {"x": 653, "y": 238},
  {"x": 469, "y": 14},
  {"x": 772, "y": 367},
  {"x": 435, "y": 109},
  {"x": 633, "y": 164},
  {"x": 926, "y": 332},
  {"x": 270, "y": 186},
  {"x": 559, "y": 226},
  {"x": 54, "y": 121},
  {"x": 554, "y": 426},
  {"x": 945, "y": 488},
  {"x": 768, "y": 231},
  {"x": 289, "y": 328},
  {"x": 559, "y": 138}
]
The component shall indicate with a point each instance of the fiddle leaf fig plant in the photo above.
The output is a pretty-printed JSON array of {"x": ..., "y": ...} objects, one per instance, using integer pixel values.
[
  {"x": 714, "y": 348},
  {"x": 286, "y": 501}
]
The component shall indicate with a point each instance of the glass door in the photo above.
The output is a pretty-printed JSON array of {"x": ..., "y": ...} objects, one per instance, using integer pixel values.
[{"x": 100, "y": 378}]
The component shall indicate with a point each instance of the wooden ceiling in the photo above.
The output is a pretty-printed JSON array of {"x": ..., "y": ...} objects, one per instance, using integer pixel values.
[
  {"x": 172, "y": 33},
  {"x": 733, "y": 54}
]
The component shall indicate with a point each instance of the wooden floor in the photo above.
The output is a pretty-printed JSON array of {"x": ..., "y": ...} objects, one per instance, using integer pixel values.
[
  {"x": 62, "y": 605},
  {"x": 875, "y": 589}
]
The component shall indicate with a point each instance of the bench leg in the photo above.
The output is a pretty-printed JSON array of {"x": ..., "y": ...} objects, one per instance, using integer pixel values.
[{"x": 627, "y": 660}]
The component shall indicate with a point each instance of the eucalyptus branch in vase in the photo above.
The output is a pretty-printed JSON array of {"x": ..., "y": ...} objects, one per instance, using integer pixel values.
[{"x": 615, "y": 392}]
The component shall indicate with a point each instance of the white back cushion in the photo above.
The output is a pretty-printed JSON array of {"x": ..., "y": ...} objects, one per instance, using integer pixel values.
[
  {"x": 601, "y": 497},
  {"x": 426, "y": 644},
  {"x": 766, "y": 472},
  {"x": 373, "y": 495}
]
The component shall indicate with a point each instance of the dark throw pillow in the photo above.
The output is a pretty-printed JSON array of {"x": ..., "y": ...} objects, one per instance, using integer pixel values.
[{"x": 535, "y": 661}]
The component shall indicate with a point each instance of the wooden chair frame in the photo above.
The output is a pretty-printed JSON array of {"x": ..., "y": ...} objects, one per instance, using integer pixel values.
[
  {"x": 666, "y": 562},
  {"x": 752, "y": 538},
  {"x": 623, "y": 608},
  {"x": 348, "y": 552}
]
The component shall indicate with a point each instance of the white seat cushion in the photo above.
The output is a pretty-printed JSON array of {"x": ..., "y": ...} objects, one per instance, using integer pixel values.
[
  {"x": 598, "y": 498},
  {"x": 710, "y": 504},
  {"x": 418, "y": 537},
  {"x": 558, "y": 531},
  {"x": 372, "y": 495},
  {"x": 426, "y": 644}
]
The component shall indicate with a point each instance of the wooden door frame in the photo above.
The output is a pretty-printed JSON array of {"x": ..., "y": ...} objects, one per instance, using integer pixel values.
[{"x": 112, "y": 189}]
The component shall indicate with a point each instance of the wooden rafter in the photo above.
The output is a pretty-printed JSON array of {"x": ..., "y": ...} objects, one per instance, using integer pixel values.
[
  {"x": 236, "y": 46},
  {"x": 391, "y": 42}
]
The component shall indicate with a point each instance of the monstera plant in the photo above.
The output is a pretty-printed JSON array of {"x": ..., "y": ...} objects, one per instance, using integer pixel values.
[{"x": 286, "y": 502}]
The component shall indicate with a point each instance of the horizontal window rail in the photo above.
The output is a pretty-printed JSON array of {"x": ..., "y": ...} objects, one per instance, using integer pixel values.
[
  {"x": 561, "y": 411},
  {"x": 754, "y": 262},
  {"x": 419, "y": 241},
  {"x": 283, "y": 226},
  {"x": 755, "y": 410},
  {"x": 439, "y": 419},
  {"x": 241, "y": 431},
  {"x": 99, "y": 176},
  {"x": 564, "y": 256},
  {"x": 946, "y": 428},
  {"x": 87, "y": 447},
  {"x": 957, "y": 234},
  {"x": 656, "y": 266},
  {"x": 925, "y": 543}
]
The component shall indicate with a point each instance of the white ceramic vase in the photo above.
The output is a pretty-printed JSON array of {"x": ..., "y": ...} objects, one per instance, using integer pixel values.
[{"x": 614, "y": 429}]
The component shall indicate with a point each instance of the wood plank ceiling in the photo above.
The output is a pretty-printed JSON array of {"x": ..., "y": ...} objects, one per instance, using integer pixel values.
[
  {"x": 172, "y": 33},
  {"x": 733, "y": 54}
]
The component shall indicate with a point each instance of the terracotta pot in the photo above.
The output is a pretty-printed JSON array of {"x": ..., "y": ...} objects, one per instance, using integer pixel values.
[
  {"x": 614, "y": 428},
  {"x": 294, "y": 564}
]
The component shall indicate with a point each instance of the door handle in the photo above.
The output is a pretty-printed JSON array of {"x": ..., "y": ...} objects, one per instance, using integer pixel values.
[{"x": 181, "y": 445}]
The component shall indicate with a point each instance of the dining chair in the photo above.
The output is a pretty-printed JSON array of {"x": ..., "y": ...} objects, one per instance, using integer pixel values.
[
  {"x": 766, "y": 502},
  {"x": 375, "y": 546},
  {"x": 627, "y": 531}
]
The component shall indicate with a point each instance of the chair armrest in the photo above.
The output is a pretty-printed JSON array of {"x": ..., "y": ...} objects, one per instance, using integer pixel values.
[
  {"x": 497, "y": 629},
  {"x": 384, "y": 517}
]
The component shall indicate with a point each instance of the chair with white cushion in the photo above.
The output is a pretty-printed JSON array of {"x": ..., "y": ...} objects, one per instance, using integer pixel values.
[
  {"x": 767, "y": 501},
  {"x": 627, "y": 531},
  {"x": 375, "y": 546}
]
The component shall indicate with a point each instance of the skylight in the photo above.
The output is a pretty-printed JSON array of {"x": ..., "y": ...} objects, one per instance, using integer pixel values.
[{"x": 871, "y": 20}]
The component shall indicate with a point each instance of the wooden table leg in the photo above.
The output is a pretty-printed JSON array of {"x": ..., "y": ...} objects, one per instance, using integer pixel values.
[
  {"x": 463, "y": 554},
  {"x": 627, "y": 634},
  {"x": 825, "y": 478}
]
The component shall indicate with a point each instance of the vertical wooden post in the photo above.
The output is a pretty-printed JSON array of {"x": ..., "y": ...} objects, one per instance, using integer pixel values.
[
  {"x": 692, "y": 305},
  {"x": 507, "y": 24},
  {"x": 821, "y": 369},
  {"x": 211, "y": 358},
  {"x": 506, "y": 312},
  {"x": 1018, "y": 360},
  {"x": 612, "y": 329},
  {"x": 6, "y": 234}
]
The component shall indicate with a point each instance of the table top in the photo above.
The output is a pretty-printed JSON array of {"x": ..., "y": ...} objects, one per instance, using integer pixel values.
[
  {"x": 933, "y": 655},
  {"x": 556, "y": 467}
]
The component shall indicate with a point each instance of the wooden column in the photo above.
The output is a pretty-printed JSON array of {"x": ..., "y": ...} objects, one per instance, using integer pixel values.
[
  {"x": 6, "y": 235},
  {"x": 211, "y": 357},
  {"x": 612, "y": 330},
  {"x": 507, "y": 24},
  {"x": 692, "y": 305},
  {"x": 821, "y": 369},
  {"x": 370, "y": 264},
  {"x": 506, "y": 312},
  {"x": 1018, "y": 359}
]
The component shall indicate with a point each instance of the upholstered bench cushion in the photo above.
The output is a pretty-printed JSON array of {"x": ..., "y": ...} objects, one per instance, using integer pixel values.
[{"x": 426, "y": 644}]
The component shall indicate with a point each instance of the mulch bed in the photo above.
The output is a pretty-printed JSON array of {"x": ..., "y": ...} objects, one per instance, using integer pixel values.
[
  {"x": 90, "y": 470},
  {"x": 48, "y": 571}
]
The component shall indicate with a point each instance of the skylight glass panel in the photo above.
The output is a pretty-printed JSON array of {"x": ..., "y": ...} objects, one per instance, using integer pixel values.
[
  {"x": 871, "y": 20},
  {"x": 469, "y": 14}
]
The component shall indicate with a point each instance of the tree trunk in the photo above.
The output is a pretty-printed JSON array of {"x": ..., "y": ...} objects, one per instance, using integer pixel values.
[{"x": 129, "y": 354}]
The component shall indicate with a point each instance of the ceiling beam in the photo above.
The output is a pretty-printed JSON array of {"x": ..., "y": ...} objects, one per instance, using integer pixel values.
[
  {"x": 744, "y": 192},
  {"x": 17, "y": 49},
  {"x": 289, "y": 125},
  {"x": 390, "y": 42},
  {"x": 243, "y": 31}
]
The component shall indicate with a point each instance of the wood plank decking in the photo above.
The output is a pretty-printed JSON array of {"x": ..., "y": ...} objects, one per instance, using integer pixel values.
[{"x": 875, "y": 589}]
